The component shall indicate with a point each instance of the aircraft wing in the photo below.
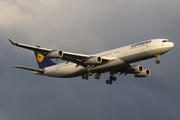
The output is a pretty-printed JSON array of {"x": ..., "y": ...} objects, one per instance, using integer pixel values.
[
  {"x": 29, "y": 47},
  {"x": 67, "y": 56}
]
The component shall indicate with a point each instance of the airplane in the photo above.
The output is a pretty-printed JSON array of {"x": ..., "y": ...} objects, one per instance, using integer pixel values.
[{"x": 113, "y": 61}]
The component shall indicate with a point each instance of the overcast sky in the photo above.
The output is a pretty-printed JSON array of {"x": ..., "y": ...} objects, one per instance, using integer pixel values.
[{"x": 88, "y": 27}]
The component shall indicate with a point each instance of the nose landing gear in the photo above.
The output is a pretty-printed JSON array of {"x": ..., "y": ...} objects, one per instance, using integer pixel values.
[{"x": 157, "y": 59}]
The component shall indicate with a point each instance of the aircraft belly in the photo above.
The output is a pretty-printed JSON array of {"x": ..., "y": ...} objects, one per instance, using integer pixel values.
[{"x": 65, "y": 71}]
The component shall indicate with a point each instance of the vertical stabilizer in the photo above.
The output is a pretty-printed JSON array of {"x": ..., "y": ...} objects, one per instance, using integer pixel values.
[{"x": 43, "y": 61}]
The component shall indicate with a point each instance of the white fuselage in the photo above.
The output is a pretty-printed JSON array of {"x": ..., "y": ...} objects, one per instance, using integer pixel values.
[{"x": 119, "y": 58}]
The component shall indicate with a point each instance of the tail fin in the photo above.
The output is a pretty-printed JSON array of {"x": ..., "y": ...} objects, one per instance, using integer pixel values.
[{"x": 43, "y": 61}]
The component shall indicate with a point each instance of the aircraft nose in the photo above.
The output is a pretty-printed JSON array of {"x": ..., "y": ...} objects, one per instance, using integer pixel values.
[{"x": 172, "y": 45}]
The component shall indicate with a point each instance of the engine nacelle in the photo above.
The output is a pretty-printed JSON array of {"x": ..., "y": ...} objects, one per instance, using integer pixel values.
[
  {"x": 144, "y": 73},
  {"x": 93, "y": 60},
  {"x": 55, "y": 54},
  {"x": 134, "y": 69}
]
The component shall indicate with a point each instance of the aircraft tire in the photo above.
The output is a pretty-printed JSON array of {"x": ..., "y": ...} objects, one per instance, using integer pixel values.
[
  {"x": 157, "y": 61},
  {"x": 110, "y": 82},
  {"x": 114, "y": 78},
  {"x": 107, "y": 81},
  {"x": 86, "y": 77}
]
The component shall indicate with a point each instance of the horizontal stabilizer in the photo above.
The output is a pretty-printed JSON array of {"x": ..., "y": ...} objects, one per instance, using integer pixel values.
[{"x": 31, "y": 69}]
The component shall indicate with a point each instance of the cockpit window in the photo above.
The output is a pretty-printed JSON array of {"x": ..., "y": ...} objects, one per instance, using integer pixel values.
[{"x": 165, "y": 41}]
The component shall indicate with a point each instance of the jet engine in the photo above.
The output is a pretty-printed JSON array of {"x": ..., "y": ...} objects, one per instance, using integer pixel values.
[
  {"x": 93, "y": 60},
  {"x": 55, "y": 54},
  {"x": 134, "y": 69},
  {"x": 144, "y": 73}
]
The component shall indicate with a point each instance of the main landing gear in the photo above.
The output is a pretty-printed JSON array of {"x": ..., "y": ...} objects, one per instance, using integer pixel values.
[
  {"x": 86, "y": 76},
  {"x": 111, "y": 79},
  {"x": 97, "y": 76},
  {"x": 157, "y": 59}
]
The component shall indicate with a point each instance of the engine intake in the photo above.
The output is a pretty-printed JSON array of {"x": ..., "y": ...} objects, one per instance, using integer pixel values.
[
  {"x": 55, "y": 54},
  {"x": 144, "y": 73},
  {"x": 93, "y": 60}
]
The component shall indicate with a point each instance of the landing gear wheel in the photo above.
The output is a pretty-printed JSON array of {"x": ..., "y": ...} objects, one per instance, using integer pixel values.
[
  {"x": 86, "y": 77},
  {"x": 90, "y": 73},
  {"x": 110, "y": 82},
  {"x": 114, "y": 78},
  {"x": 83, "y": 76},
  {"x": 111, "y": 77},
  {"x": 97, "y": 76},
  {"x": 157, "y": 61},
  {"x": 107, "y": 81}
]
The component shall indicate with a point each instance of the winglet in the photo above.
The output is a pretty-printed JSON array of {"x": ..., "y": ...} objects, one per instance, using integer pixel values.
[{"x": 12, "y": 42}]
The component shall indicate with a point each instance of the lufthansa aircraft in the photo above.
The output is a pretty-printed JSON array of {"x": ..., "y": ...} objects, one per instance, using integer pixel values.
[{"x": 113, "y": 61}]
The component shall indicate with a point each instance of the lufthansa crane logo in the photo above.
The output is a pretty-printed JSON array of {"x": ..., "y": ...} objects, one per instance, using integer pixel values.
[{"x": 40, "y": 57}]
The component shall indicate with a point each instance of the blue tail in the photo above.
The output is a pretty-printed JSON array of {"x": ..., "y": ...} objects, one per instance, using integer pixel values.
[{"x": 43, "y": 61}]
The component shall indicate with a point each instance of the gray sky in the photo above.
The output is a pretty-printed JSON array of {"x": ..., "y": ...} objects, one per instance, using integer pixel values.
[{"x": 88, "y": 26}]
